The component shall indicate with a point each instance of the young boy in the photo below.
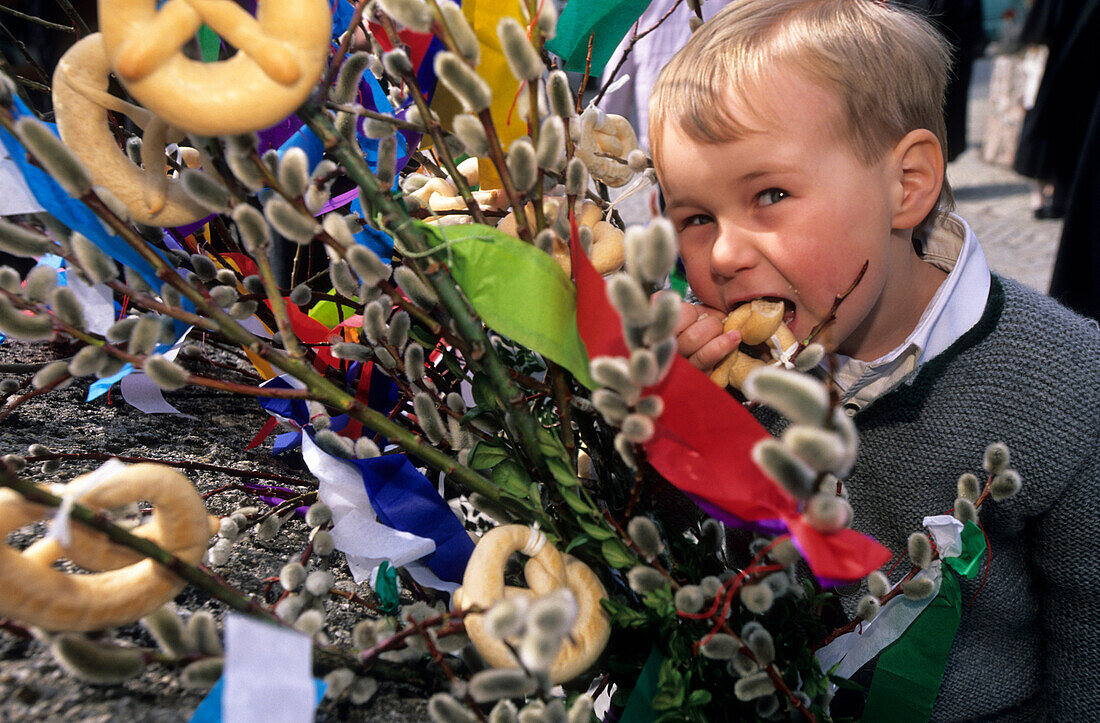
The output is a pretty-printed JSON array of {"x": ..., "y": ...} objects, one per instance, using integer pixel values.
[{"x": 797, "y": 139}]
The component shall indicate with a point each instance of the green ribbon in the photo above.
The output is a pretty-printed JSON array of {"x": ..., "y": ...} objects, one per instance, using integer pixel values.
[
  {"x": 519, "y": 291},
  {"x": 910, "y": 670},
  {"x": 210, "y": 45},
  {"x": 385, "y": 587},
  {"x": 579, "y": 22},
  {"x": 639, "y": 708}
]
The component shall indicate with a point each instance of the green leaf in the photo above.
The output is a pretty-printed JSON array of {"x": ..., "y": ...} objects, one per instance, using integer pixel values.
[
  {"x": 533, "y": 493},
  {"x": 577, "y": 542},
  {"x": 575, "y": 502},
  {"x": 597, "y": 532},
  {"x": 699, "y": 697},
  {"x": 846, "y": 684},
  {"x": 622, "y": 615},
  {"x": 511, "y": 479},
  {"x": 482, "y": 390},
  {"x": 616, "y": 554},
  {"x": 668, "y": 699},
  {"x": 487, "y": 455}
]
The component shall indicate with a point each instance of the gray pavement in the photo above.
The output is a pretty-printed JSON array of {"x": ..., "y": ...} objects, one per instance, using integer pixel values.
[{"x": 997, "y": 203}]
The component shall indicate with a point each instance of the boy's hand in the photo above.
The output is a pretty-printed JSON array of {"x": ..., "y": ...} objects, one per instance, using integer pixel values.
[{"x": 699, "y": 336}]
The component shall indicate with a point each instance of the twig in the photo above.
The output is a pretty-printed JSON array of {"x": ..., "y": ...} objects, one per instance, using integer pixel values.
[
  {"x": 634, "y": 38},
  {"x": 182, "y": 464},
  {"x": 832, "y": 312},
  {"x": 37, "y": 20}
]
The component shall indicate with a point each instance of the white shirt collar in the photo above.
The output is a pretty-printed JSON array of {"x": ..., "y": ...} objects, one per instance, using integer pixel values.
[{"x": 957, "y": 305}]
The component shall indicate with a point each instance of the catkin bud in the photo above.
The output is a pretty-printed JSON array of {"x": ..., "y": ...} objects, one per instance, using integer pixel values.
[
  {"x": 629, "y": 299},
  {"x": 334, "y": 444},
  {"x": 809, "y": 357},
  {"x": 86, "y": 361},
  {"x": 166, "y": 627},
  {"x": 289, "y": 221},
  {"x": 109, "y": 367},
  {"x": 720, "y": 646},
  {"x": 1005, "y": 485},
  {"x": 347, "y": 82},
  {"x": 658, "y": 256},
  {"x": 203, "y": 631},
  {"x": 522, "y": 164},
  {"x": 610, "y": 405},
  {"x": 370, "y": 269},
  {"x": 143, "y": 335},
  {"x": 790, "y": 472},
  {"x": 918, "y": 588},
  {"x": 560, "y": 95},
  {"x": 411, "y": 284},
  {"x": 637, "y": 428},
  {"x": 614, "y": 372},
  {"x": 796, "y": 396},
  {"x": 255, "y": 233},
  {"x": 637, "y": 160},
  {"x": 965, "y": 511},
  {"x": 318, "y": 583},
  {"x": 294, "y": 170},
  {"x": 576, "y": 177},
  {"x": 301, "y": 295},
  {"x": 387, "y": 161},
  {"x": 443, "y": 708},
  {"x": 506, "y": 619},
  {"x": 996, "y": 457},
  {"x": 523, "y": 59},
  {"x": 290, "y": 607},
  {"x": 365, "y": 448},
  {"x": 646, "y": 536},
  {"x": 10, "y": 280},
  {"x": 206, "y": 190},
  {"x": 323, "y": 542},
  {"x": 644, "y": 579},
  {"x": 496, "y": 683},
  {"x": 413, "y": 14},
  {"x": 689, "y": 599},
  {"x": 428, "y": 417},
  {"x": 165, "y": 374},
  {"x": 337, "y": 681},
  {"x": 398, "y": 334},
  {"x": 762, "y": 644},
  {"x": 757, "y": 598},
  {"x": 665, "y": 312},
  {"x": 968, "y": 487},
  {"x": 469, "y": 87},
  {"x": 342, "y": 280},
  {"x": 51, "y": 373},
  {"x": 310, "y": 622},
  {"x": 96, "y": 663},
  {"x": 362, "y": 690},
  {"x": 40, "y": 281},
  {"x": 67, "y": 306},
  {"x": 753, "y": 686},
  {"x": 551, "y": 148},
  {"x": 19, "y": 241},
  {"x": 877, "y": 584},
  {"x": 868, "y": 608},
  {"x": 414, "y": 362},
  {"x": 465, "y": 39},
  {"x": 471, "y": 133},
  {"x": 821, "y": 449},
  {"x": 920, "y": 550},
  {"x": 828, "y": 513},
  {"x": 120, "y": 330},
  {"x": 96, "y": 265},
  {"x": 54, "y": 156},
  {"x": 204, "y": 267},
  {"x": 318, "y": 514}
]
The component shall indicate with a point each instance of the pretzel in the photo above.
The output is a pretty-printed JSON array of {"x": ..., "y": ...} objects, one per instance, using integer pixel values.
[
  {"x": 125, "y": 586},
  {"x": 81, "y": 102},
  {"x": 280, "y": 55},
  {"x": 760, "y": 322},
  {"x": 606, "y": 252},
  {"x": 546, "y": 570},
  {"x": 611, "y": 135},
  {"x": 439, "y": 194}
]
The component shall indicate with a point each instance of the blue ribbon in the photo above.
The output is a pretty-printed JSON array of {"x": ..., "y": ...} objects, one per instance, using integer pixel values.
[{"x": 405, "y": 500}]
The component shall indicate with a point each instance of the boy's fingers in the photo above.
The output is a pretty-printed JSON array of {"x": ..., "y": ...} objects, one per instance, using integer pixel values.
[
  {"x": 696, "y": 333},
  {"x": 714, "y": 351}
]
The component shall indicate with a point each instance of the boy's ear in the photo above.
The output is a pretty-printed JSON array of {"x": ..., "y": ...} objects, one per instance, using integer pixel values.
[{"x": 918, "y": 168}]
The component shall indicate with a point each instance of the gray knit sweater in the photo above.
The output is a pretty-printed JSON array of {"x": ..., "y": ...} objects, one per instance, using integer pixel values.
[{"x": 1027, "y": 374}]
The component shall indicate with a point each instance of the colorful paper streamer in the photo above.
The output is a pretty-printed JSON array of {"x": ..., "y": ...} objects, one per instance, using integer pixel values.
[
  {"x": 606, "y": 22},
  {"x": 519, "y": 291}
]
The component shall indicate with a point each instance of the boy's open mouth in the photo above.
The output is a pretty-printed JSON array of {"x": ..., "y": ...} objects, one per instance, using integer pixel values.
[{"x": 788, "y": 307}]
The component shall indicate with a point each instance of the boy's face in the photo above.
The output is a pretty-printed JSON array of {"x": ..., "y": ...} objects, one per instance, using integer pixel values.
[{"x": 790, "y": 212}]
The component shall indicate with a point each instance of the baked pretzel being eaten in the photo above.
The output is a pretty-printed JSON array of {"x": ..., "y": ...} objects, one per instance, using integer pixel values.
[{"x": 764, "y": 338}]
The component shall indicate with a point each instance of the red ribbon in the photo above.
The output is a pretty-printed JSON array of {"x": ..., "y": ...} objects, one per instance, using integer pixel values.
[{"x": 703, "y": 444}]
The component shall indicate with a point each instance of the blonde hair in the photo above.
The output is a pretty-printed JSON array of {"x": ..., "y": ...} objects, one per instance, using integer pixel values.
[{"x": 887, "y": 66}]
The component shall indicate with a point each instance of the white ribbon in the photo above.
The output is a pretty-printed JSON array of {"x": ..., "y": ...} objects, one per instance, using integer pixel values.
[
  {"x": 61, "y": 525},
  {"x": 853, "y": 650}
]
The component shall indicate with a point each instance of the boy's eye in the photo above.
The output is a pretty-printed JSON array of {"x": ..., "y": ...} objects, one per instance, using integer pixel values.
[
  {"x": 770, "y": 196},
  {"x": 698, "y": 219}
]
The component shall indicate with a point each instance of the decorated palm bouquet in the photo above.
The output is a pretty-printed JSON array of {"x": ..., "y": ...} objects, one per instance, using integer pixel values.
[{"x": 390, "y": 224}]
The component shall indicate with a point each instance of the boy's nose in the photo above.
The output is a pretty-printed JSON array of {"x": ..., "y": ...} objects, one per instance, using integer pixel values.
[{"x": 733, "y": 252}]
